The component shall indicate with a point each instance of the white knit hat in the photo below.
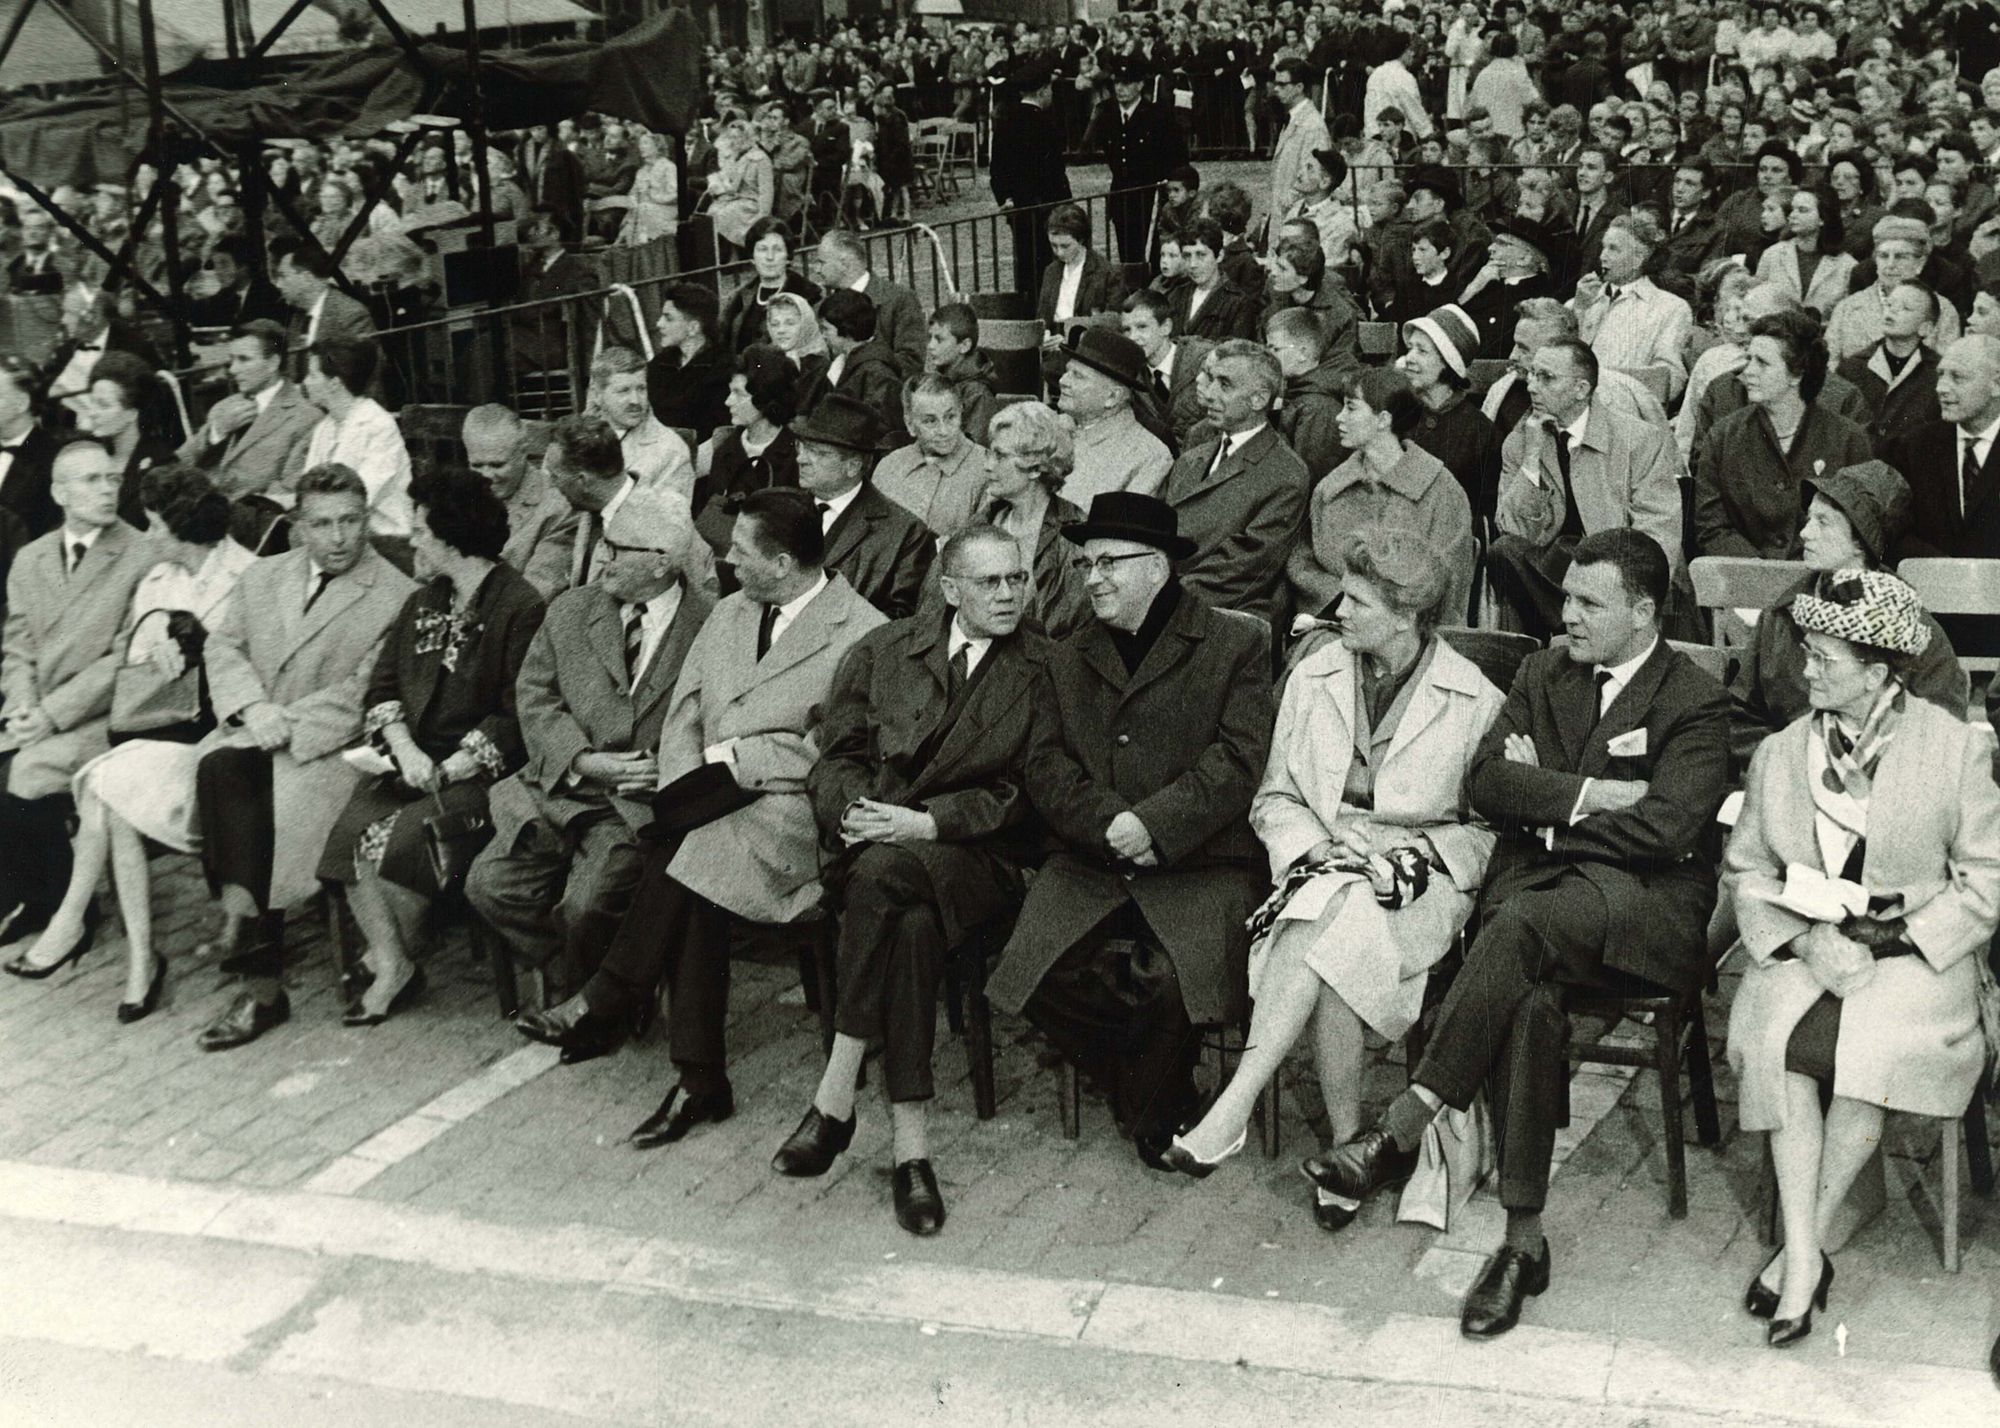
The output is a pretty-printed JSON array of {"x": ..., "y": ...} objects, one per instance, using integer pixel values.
[{"x": 1453, "y": 332}]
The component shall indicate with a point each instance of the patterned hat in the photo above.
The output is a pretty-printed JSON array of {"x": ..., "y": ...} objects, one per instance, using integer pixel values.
[
  {"x": 1866, "y": 607},
  {"x": 1452, "y": 331}
]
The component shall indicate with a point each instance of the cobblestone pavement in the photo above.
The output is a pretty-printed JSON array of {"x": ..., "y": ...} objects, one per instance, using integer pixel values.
[{"x": 446, "y": 1109}]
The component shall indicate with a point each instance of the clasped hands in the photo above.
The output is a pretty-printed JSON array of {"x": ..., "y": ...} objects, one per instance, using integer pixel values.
[
  {"x": 1600, "y": 795},
  {"x": 630, "y": 774},
  {"x": 1838, "y": 962},
  {"x": 423, "y": 773},
  {"x": 1128, "y": 839},
  {"x": 1359, "y": 846},
  {"x": 867, "y": 821}
]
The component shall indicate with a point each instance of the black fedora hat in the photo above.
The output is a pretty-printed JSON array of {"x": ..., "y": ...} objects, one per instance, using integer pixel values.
[
  {"x": 1112, "y": 353},
  {"x": 1127, "y": 515},
  {"x": 699, "y": 796},
  {"x": 1529, "y": 235},
  {"x": 1334, "y": 164},
  {"x": 1439, "y": 180},
  {"x": 841, "y": 420}
]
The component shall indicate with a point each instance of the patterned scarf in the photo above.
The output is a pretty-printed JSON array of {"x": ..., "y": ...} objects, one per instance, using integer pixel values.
[{"x": 1842, "y": 771}]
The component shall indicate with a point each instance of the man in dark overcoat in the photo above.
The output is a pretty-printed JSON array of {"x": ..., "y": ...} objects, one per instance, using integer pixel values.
[{"x": 1142, "y": 145}]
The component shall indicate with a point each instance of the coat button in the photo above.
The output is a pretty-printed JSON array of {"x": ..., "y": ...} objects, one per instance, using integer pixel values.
[{"x": 1123, "y": 740}]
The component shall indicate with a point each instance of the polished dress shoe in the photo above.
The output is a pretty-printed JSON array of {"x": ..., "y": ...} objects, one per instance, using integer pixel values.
[
  {"x": 573, "y": 1028},
  {"x": 1179, "y": 1157},
  {"x": 21, "y": 967},
  {"x": 813, "y": 1147},
  {"x": 1783, "y": 1333},
  {"x": 1762, "y": 1302},
  {"x": 1494, "y": 1305},
  {"x": 680, "y": 1113},
  {"x": 1152, "y": 1148},
  {"x": 129, "y": 1012},
  {"x": 1368, "y": 1163},
  {"x": 919, "y": 1206},
  {"x": 245, "y": 1021},
  {"x": 359, "y": 1015},
  {"x": 1331, "y": 1213}
]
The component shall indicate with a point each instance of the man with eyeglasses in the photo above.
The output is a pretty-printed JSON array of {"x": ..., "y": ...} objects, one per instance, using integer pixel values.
[
  {"x": 924, "y": 828},
  {"x": 592, "y": 694},
  {"x": 1150, "y": 734}
]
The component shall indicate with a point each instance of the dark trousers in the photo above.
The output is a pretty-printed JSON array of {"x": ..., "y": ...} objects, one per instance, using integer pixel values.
[
  {"x": 35, "y": 834},
  {"x": 672, "y": 933},
  {"x": 1529, "y": 579},
  {"x": 1131, "y": 219},
  {"x": 1031, "y": 250},
  {"x": 557, "y": 896},
  {"x": 238, "y": 822},
  {"x": 1503, "y": 1022},
  {"x": 1112, "y": 1004}
]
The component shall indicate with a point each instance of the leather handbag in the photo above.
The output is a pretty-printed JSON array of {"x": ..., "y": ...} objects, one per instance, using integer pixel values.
[
  {"x": 149, "y": 703},
  {"x": 452, "y": 841}
]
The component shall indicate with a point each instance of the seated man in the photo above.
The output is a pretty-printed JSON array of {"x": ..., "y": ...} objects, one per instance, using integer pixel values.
[
  {"x": 68, "y": 594},
  {"x": 735, "y": 749},
  {"x": 655, "y": 455},
  {"x": 541, "y": 523},
  {"x": 1572, "y": 468},
  {"x": 587, "y": 467},
  {"x": 924, "y": 827},
  {"x": 861, "y": 365},
  {"x": 1240, "y": 497},
  {"x": 1603, "y": 774},
  {"x": 1627, "y": 320},
  {"x": 1133, "y": 932},
  {"x": 1953, "y": 464},
  {"x": 938, "y": 475},
  {"x": 1105, "y": 374},
  {"x": 255, "y": 438},
  {"x": 1897, "y": 377},
  {"x": 591, "y": 697},
  {"x": 1538, "y": 322},
  {"x": 288, "y": 666},
  {"x": 883, "y": 551}
]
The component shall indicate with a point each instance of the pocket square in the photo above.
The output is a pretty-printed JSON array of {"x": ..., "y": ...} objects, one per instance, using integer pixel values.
[{"x": 1629, "y": 745}]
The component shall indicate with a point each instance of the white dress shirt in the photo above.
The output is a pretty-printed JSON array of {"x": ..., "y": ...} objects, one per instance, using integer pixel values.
[
  {"x": 1072, "y": 279},
  {"x": 975, "y": 650},
  {"x": 1616, "y": 677},
  {"x": 1982, "y": 447},
  {"x": 1232, "y": 444},
  {"x": 658, "y": 614},
  {"x": 831, "y": 510}
]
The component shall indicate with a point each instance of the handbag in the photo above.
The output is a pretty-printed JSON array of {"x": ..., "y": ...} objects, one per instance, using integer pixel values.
[
  {"x": 452, "y": 841},
  {"x": 147, "y": 703}
]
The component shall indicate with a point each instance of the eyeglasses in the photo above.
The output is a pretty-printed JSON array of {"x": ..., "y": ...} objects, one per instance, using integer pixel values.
[
  {"x": 1105, "y": 564},
  {"x": 1820, "y": 660},
  {"x": 994, "y": 584},
  {"x": 613, "y": 548}
]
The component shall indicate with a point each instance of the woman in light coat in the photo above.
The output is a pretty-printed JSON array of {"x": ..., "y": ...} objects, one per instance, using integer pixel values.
[
  {"x": 1811, "y": 265},
  {"x": 742, "y": 189},
  {"x": 1374, "y": 853},
  {"x": 1894, "y": 800}
]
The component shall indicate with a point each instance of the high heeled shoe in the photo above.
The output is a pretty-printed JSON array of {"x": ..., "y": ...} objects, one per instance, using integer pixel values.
[
  {"x": 359, "y": 1015},
  {"x": 1177, "y": 1156},
  {"x": 1762, "y": 1302},
  {"x": 20, "y": 966},
  {"x": 129, "y": 1012},
  {"x": 1783, "y": 1333}
]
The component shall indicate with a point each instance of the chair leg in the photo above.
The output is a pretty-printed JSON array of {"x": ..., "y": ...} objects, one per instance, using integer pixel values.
[
  {"x": 496, "y": 954},
  {"x": 1978, "y": 1148},
  {"x": 979, "y": 1054},
  {"x": 1072, "y": 1101},
  {"x": 1701, "y": 1079},
  {"x": 1948, "y": 1213},
  {"x": 1667, "y": 1063},
  {"x": 1267, "y": 1102},
  {"x": 336, "y": 937},
  {"x": 822, "y": 987}
]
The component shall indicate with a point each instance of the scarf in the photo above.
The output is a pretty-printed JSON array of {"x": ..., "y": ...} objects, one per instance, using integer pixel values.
[{"x": 1842, "y": 774}]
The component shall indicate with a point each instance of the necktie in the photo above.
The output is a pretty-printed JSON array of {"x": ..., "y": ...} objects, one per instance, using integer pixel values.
[
  {"x": 78, "y": 549},
  {"x": 319, "y": 589},
  {"x": 823, "y": 508},
  {"x": 635, "y": 640},
  {"x": 1582, "y": 219},
  {"x": 1968, "y": 478},
  {"x": 961, "y": 670},
  {"x": 1610, "y": 295},
  {"x": 764, "y": 623},
  {"x": 1603, "y": 678},
  {"x": 1572, "y": 525},
  {"x": 1160, "y": 392},
  {"x": 586, "y": 547}
]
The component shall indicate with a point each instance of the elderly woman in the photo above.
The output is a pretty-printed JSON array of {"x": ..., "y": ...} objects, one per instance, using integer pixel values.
[
  {"x": 1865, "y": 872},
  {"x": 745, "y": 317},
  {"x": 1854, "y": 517},
  {"x": 757, "y": 450},
  {"x": 440, "y": 708},
  {"x": 1375, "y": 859},
  {"x": 357, "y": 432},
  {"x": 1389, "y": 479},
  {"x": 125, "y": 409},
  {"x": 145, "y": 788},
  {"x": 1810, "y": 264},
  {"x": 742, "y": 189},
  {"x": 1030, "y": 451}
]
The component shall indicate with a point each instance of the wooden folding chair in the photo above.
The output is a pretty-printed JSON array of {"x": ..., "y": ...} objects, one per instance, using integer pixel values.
[
  {"x": 1969, "y": 589},
  {"x": 1740, "y": 582}
]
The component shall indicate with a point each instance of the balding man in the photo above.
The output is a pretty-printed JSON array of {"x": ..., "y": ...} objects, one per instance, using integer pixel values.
[
  {"x": 841, "y": 261},
  {"x": 1240, "y": 497},
  {"x": 541, "y": 525},
  {"x": 592, "y": 694},
  {"x": 939, "y": 475},
  {"x": 1105, "y": 373},
  {"x": 1951, "y": 464},
  {"x": 1538, "y": 322},
  {"x": 1627, "y": 320}
]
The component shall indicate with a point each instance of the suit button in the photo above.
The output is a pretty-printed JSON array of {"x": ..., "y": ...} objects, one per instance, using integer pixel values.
[{"x": 1123, "y": 740}]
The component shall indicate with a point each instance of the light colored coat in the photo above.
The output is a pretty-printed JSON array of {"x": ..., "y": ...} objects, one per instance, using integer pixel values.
[
  {"x": 63, "y": 647},
  {"x": 266, "y": 455},
  {"x": 762, "y": 861},
  {"x": 655, "y": 456},
  {"x": 314, "y": 664},
  {"x": 1910, "y": 1038},
  {"x": 1419, "y": 494},
  {"x": 1625, "y": 472},
  {"x": 1304, "y": 132},
  {"x": 1420, "y": 776},
  {"x": 1780, "y": 266}
]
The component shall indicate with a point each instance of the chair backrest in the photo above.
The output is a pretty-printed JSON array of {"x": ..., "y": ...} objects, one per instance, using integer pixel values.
[
  {"x": 1485, "y": 371},
  {"x": 1377, "y": 339},
  {"x": 1498, "y": 653},
  {"x": 1655, "y": 379},
  {"x": 1015, "y": 345},
  {"x": 1001, "y": 305},
  {"x": 1713, "y": 658},
  {"x": 1968, "y": 590},
  {"x": 1742, "y": 582}
]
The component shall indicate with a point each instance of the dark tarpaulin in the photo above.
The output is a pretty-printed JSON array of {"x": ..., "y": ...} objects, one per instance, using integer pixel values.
[{"x": 650, "y": 75}]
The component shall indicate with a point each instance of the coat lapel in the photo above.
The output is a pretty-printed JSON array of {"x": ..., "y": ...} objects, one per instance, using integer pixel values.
[
  {"x": 607, "y": 637},
  {"x": 1627, "y": 711},
  {"x": 851, "y": 528},
  {"x": 804, "y": 637},
  {"x": 1444, "y": 678},
  {"x": 1173, "y": 648}
]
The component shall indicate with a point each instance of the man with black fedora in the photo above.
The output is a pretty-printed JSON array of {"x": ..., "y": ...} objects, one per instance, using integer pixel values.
[
  {"x": 882, "y": 550},
  {"x": 1028, "y": 171},
  {"x": 1520, "y": 263},
  {"x": 1142, "y": 145},
  {"x": 1150, "y": 734},
  {"x": 1105, "y": 386}
]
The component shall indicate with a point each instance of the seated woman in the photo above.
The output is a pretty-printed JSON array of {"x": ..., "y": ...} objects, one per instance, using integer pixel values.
[
  {"x": 358, "y": 433},
  {"x": 1362, "y": 811},
  {"x": 127, "y": 408},
  {"x": 757, "y": 450},
  {"x": 1079, "y": 281},
  {"x": 1854, "y": 517},
  {"x": 145, "y": 788},
  {"x": 1880, "y": 1005},
  {"x": 794, "y": 330},
  {"x": 440, "y": 705},
  {"x": 1029, "y": 455},
  {"x": 772, "y": 275}
]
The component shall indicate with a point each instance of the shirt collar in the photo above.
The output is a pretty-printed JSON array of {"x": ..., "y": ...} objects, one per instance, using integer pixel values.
[
  {"x": 959, "y": 639},
  {"x": 836, "y": 506},
  {"x": 1233, "y": 444},
  {"x": 1621, "y": 674},
  {"x": 792, "y": 609},
  {"x": 86, "y": 539},
  {"x": 1983, "y": 437},
  {"x": 860, "y": 284},
  {"x": 1579, "y": 427}
]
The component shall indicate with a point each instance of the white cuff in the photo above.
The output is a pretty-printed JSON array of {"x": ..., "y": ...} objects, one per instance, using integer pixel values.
[{"x": 722, "y": 753}]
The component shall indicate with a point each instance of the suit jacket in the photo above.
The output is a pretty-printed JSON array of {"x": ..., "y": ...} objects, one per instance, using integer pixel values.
[
  {"x": 869, "y": 375},
  {"x": 315, "y": 665},
  {"x": 62, "y": 648},
  {"x": 542, "y": 531},
  {"x": 266, "y": 455},
  {"x": 762, "y": 861},
  {"x": 888, "y": 733},
  {"x": 1243, "y": 517},
  {"x": 882, "y": 550},
  {"x": 25, "y": 490},
  {"x": 1100, "y": 289},
  {"x": 1650, "y": 862},
  {"x": 1028, "y": 168},
  {"x": 575, "y": 696},
  {"x": 1180, "y": 743},
  {"x": 1227, "y": 312},
  {"x": 1140, "y": 153},
  {"x": 1584, "y": 251},
  {"x": 1898, "y": 403},
  {"x": 341, "y": 317},
  {"x": 1929, "y": 460},
  {"x": 1690, "y": 249},
  {"x": 46, "y": 283},
  {"x": 1625, "y": 473},
  {"x": 900, "y": 325},
  {"x": 1184, "y": 410}
]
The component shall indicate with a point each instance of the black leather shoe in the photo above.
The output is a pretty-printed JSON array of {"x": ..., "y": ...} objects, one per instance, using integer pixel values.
[
  {"x": 572, "y": 1027},
  {"x": 1368, "y": 1163},
  {"x": 21, "y": 967},
  {"x": 919, "y": 1206},
  {"x": 812, "y": 1148},
  {"x": 1783, "y": 1333},
  {"x": 359, "y": 1015},
  {"x": 680, "y": 1113},
  {"x": 1331, "y": 1217},
  {"x": 1494, "y": 1305},
  {"x": 1152, "y": 1147},
  {"x": 129, "y": 1012},
  {"x": 245, "y": 1021},
  {"x": 1762, "y": 1302}
]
